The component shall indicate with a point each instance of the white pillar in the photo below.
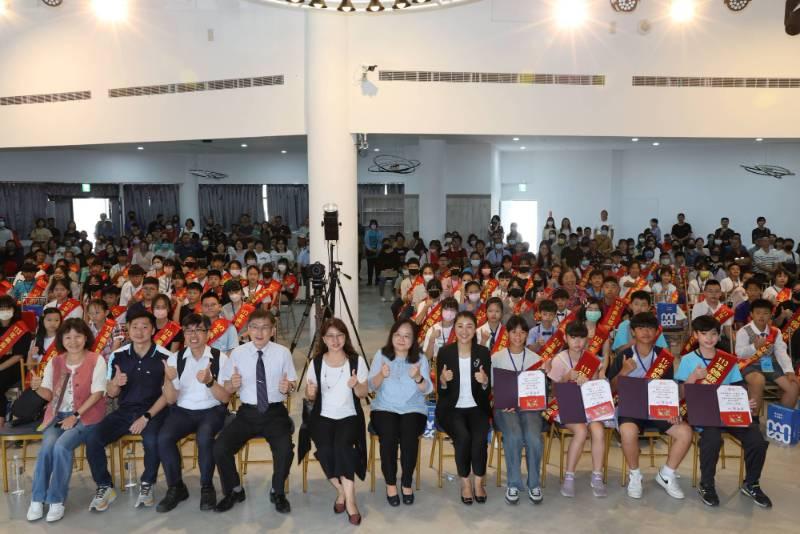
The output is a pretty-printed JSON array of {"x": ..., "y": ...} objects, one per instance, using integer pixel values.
[
  {"x": 189, "y": 200},
  {"x": 332, "y": 175},
  {"x": 496, "y": 189},
  {"x": 432, "y": 199}
]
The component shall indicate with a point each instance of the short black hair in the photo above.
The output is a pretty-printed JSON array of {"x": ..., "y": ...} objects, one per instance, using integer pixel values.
[
  {"x": 752, "y": 282},
  {"x": 196, "y": 286},
  {"x": 644, "y": 320},
  {"x": 450, "y": 304},
  {"x": 208, "y": 295},
  {"x": 577, "y": 329},
  {"x": 611, "y": 280},
  {"x": 705, "y": 323},
  {"x": 136, "y": 270},
  {"x": 214, "y": 272},
  {"x": 150, "y": 281},
  {"x": 713, "y": 282},
  {"x": 196, "y": 319},
  {"x": 641, "y": 295},
  {"x": 517, "y": 321},
  {"x": 495, "y": 300},
  {"x": 138, "y": 313},
  {"x": 761, "y": 304},
  {"x": 548, "y": 306},
  {"x": 560, "y": 293}
]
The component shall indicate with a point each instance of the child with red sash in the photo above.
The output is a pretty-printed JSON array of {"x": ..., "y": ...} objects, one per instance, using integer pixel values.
[
  {"x": 108, "y": 334},
  {"x": 542, "y": 332},
  {"x": 646, "y": 361},
  {"x": 194, "y": 292},
  {"x": 763, "y": 356},
  {"x": 43, "y": 347},
  {"x": 780, "y": 291},
  {"x": 563, "y": 368},
  {"x": 712, "y": 305},
  {"x": 429, "y": 311},
  {"x": 443, "y": 332},
  {"x": 222, "y": 335},
  {"x": 787, "y": 318},
  {"x": 168, "y": 334},
  {"x": 493, "y": 334},
  {"x": 15, "y": 340},
  {"x": 599, "y": 327},
  {"x": 69, "y": 307},
  {"x": 709, "y": 365}
]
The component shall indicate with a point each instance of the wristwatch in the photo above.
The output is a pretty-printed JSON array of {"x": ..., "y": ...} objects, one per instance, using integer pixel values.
[
  {"x": 76, "y": 414},
  {"x": 147, "y": 415},
  {"x": 420, "y": 381},
  {"x": 211, "y": 384}
]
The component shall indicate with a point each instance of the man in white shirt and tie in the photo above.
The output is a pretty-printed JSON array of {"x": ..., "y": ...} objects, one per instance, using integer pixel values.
[
  {"x": 263, "y": 373},
  {"x": 198, "y": 404}
]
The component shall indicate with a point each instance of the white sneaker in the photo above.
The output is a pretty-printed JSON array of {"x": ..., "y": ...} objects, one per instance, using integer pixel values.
[
  {"x": 103, "y": 498},
  {"x": 146, "y": 497},
  {"x": 635, "y": 485},
  {"x": 535, "y": 495},
  {"x": 670, "y": 485},
  {"x": 55, "y": 512},
  {"x": 512, "y": 495},
  {"x": 35, "y": 511}
]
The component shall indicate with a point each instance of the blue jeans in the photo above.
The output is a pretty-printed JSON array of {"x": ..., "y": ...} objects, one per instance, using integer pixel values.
[
  {"x": 110, "y": 429},
  {"x": 54, "y": 462},
  {"x": 521, "y": 429}
]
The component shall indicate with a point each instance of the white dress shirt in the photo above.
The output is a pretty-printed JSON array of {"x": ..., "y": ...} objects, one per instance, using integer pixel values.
[
  {"x": 703, "y": 308},
  {"x": 277, "y": 362},
  {"x": 192, "y": 394},
  {"x": 745, "y": 347}
]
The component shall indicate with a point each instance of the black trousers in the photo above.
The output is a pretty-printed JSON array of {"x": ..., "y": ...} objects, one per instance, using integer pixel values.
[
  {"x": 755, "y": 452},
  {"x": 180, "y": 423},
  {"x": 395, "y": 429},
  {"x": 372, "y": 272},
  {"x": 469, "y": 430},
  {"x": 275, "y": 425},
  {"x": 335, "y": 440}
]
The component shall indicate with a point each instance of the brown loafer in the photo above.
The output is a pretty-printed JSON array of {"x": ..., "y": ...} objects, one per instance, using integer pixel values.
[
  {"x": 354, "y": 519},
  {"x": 338, "y": 508}
]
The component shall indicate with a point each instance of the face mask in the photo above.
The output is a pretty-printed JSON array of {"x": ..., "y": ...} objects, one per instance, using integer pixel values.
[
  {"x": 486, "y": 272},
  {"x": 267, "y": 275},
  {"x": 498, "y": 246},
  {"x": 235, "y": 297},
  {"x": 282, "y": 268},
  {"x": 474, "y": 263},
  {"x": 448, "y": 315},
  {"x": 5, "y": 315},
  {"x": 427, "y": 277},
  {"x": 204, "y": 243},
  {"x": 551, "y": 224},
  {"x": 512, "y": 241},
  {"x": 2, "y": 224},
  {"x": 561, "y": 241},
  {"x": 236, "y": 273},
  {"x": 372, "y": 226},
  {"x": 604, "y": 232},
  {"x": 523, "y": 269},
  {"x": 593, "y": 315},
  {"x": 704, "y": 274},
  {"x": 516, "y": 292},
  {"x": 472, "y": 243},
  {"x": 251, "y": 262},
  {"x": 718, "y": 241},
  {"x": 447, "y": 241},
  {"x": 641, "y": 240},
  {"x": 474, "y": 297},
  {"x": 406, "y": 272},
  {"x": 584, "y": 263},
  {"x": 157, "y": 266},
  {"x": 664, "y": 261},
  {"x": 434, "y": 293},
  {"x": 160, "y": 313},
  {"x": 413, "y": 272}
]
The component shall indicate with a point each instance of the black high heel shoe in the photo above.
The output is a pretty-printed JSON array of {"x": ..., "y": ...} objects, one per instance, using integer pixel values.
[
  {"x": 393, "y": 500},
  {"x": 408, "y": 499},
  {"x": 480, "y": 499}
]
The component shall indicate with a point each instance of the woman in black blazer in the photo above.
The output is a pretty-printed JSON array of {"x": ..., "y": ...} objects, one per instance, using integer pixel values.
[{"x": 462, "y": 407}]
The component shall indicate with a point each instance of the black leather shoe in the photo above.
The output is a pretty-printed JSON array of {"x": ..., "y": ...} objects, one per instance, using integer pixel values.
[
  {"x": 208, "y": 498},
  {"x": 229, "y": 500},
  {"x": 466, "y": 500},
  {"x": 282, "y": 505},
  {"x": 175, "y": 494},
  {"x": 393, "y": 500},
  {"x": 408, "y": 499}
]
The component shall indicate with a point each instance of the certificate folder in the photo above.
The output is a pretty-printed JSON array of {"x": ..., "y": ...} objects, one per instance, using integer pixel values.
[
  {"x": 632, "y": 393},
  {"x": 570, "y": 403}
]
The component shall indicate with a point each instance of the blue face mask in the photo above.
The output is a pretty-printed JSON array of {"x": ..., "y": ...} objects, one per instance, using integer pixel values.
[{"x": 593, "y": 315}]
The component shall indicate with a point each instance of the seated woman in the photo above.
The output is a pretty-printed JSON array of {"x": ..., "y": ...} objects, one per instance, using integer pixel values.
[
  {"x": 74, "y": 383},
  {"x": 69, "y": 307},
  {"x": 400, "y": 375},
  {"x": 443, "y": 332},
  {"x": 16, "y": 339},
  {"x": 462, "y": 407}
]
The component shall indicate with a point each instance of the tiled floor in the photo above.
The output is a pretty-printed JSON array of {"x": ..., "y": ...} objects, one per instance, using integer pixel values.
[{"x": 439, "y": 509}]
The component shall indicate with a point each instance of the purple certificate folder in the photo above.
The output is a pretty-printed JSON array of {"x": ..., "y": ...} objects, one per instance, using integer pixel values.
[
  {"x": 570, "y": 403},
  {"x": 632, "y": 393},
  {"x": 702, "y": 404},
  {"x": 504, "y": 389}
]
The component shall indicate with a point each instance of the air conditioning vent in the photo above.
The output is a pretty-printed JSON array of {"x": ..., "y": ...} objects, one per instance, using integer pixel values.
[
  {"x": 524, "y": 78},
  {"x": 45, "y": 99},
  {"x": 194, "y": 87},
  {"x": 716, "y": 82}
]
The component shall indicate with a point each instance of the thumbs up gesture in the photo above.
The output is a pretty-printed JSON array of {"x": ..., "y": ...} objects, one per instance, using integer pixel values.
[
  {"x": 36, "y": 381},
  {"x": 170, "y": 373},
  {"x": 628, "y": 366},
  {"x": 351, "y": 383},
  {"x": 283, "y": 385},
  {"x": 236, "y": 378},
  {"x": 481, "y": 377},
  {"x": 413, "y": 371},
  {"x": 204, "y": 376},
  {"x": 699, "y": 373},
  {"x": 385, "y": 370},
  {"x": 447, "y": 375},
  {"x": 120, "y": 378},
  {"x": 311, "y": 390},
  {"x": 485, "y": 337}
]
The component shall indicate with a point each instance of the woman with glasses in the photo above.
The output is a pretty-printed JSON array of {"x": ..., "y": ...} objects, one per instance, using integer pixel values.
[
  {"x": 400, "y": 375},
  {"x": 336, "y": 384}
]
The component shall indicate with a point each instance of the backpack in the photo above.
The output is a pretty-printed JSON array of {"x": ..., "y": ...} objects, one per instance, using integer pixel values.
[
  {"x": 28, "y": 408},
  {"x": 214, "y": 362}
]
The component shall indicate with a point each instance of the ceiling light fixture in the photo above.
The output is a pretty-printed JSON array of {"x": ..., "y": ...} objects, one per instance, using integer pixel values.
[
  {"x": 375, "y": 6},
  {"x": 244, "y": 145},
  {"x": 624, "y": 6},
  {"x": 515, "y": 139},
  {"x": 3, "y": 7},
  {"x": 319, "y": 4},
  {"x": 110, "y": 10},
  {"x": 656, "y": 143},
  {"x": 522, "y": 148},
  {"x": 401, "y": 4},
  {"x": 737, "y": 5},
  {"x": 635, "y": 139},
  {"x": 346, "y": 6},
  {"x": 51, "y": 3},
  {"x": 759, "y": 139},
  {"x": 139, "y": 148},
  {"x": 361, "y": 6},
  {"x": 376, "y": 149},
  {"x": 570, "y": 14},
  {"x": 283, "y": 152},
  {"x": 682, "y": 10}
]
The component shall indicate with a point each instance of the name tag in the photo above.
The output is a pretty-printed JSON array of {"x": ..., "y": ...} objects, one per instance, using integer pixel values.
[{"x": 766, "y": 364}]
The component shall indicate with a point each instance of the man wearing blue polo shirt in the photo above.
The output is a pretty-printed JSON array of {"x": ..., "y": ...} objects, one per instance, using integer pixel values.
[{"x": 136, "y": 378}]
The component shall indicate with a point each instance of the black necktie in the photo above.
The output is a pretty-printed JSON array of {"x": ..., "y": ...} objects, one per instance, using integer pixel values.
[{"x": 262, "y": 401}]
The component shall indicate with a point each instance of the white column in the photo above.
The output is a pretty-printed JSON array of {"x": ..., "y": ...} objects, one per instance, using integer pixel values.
[
  {"x": 189, "y": 200},
  {"x": 432, "y": 199},
  {"x": 332, "y": 175},
  {"x": 496, "y": 189}
]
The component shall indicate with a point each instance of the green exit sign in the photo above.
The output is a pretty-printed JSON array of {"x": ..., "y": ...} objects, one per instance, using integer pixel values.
[{"x": 86, "y": 188}]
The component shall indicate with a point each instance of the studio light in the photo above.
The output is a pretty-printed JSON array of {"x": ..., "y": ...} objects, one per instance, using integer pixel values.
[
  {"x": 401, "y": 4},
  {"x": 330, "y": 221},
  {"x": 792, "y": 18},
  {"x": 375, "y": 6},
  {"x": 682, "y": 10},
  {"x": 571, "y": 13},
  {"x": 110, "y": 10},
  {"x": 624, "y": 6},
  {"x": 52, "y": 3},
  {"x": 319, "y": 4},
  {"x": 346, "y": 6},
  {"x": 737, "y": 5}
]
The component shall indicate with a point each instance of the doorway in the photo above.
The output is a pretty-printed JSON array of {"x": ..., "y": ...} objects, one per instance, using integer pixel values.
[
  {"x": 87, "y": 212},
  {"x": 525, "y": 213}
]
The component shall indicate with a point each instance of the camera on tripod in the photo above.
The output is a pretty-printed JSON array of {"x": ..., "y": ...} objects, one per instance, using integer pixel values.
[{"x": 316, "y": 275}]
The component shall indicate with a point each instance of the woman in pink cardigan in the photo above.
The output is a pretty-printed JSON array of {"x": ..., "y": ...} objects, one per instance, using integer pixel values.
[{"x": 73, "y": 383}]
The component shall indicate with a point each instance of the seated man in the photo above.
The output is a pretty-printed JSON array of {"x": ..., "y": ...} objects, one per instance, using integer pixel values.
[
  {"x": 642, "y": 361},
  {"x": 763, "y": 356},
  {"x": 136, "y": 378},
  {"x": 713, "y": 306},
  {"x": 197, "y": 405},
  {"x": 623, "y": 338},
  {"x": 222, "y": 335},
  {"x": 693, "y": 369},
  {"x": 741, "y": 315}
]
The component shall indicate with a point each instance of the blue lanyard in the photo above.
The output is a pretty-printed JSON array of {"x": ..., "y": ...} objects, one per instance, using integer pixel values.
[
  {"x": 636, "y": 352},
  {"x": 522, "y": 364},
  {"x": 706, "y": 362}
]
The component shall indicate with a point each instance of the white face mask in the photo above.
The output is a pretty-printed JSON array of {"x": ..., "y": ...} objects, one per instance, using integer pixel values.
[
  {"x": 448, "y": 315},
  {"x": 282, "y": 268},
  {"x": 251, "y": 262},
  {"x": 427, "y": 277},
  {"x": 235, "y": 297},
  {"x": 512, "y": 241},
  {"x": 474, "y": 297},
  {"x": 236, "y": 273},
  {"x": 157, "y": 266},
  {"x": 160, "y": 313},
  {"x": 5, "y": 315},
  {"x": 474, "y": 263}
]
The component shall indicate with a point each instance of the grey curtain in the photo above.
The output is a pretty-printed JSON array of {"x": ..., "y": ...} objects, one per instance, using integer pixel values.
[
  {"x": 290, "y": 202},
  {"x": 22, "y": 203},
  {"x": 150, "y": 200},
  {"x": 228, "y": 202}
]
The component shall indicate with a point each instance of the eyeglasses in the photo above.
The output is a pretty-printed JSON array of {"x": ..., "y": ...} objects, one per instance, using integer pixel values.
[
  {"x": 189, "y": 332},
  {"x": 398, "y": 335},
  {"x": 333, "y": 337},
  {"x": 260, "y": 328}
]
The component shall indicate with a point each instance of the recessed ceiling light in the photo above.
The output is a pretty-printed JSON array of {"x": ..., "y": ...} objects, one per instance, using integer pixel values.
[
  {"x": 656, "y": 143},
  {"x": 635, "y": 139},
  {"x": 376, "y": 149},
  {"x": 139, "y": 148},
  {"x": 759, "y": 139},
  {"x": 283, "y": 152},
  {"x": 244, "y": 145},
  {"x": 522, "y": 148},
  {"x": 515, "y": 139}
]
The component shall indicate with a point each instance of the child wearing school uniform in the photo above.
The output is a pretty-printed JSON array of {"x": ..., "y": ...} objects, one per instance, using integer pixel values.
[{"x": 542, "y": 332}]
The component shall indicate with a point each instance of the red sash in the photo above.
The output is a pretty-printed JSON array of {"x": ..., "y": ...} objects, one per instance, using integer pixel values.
[
  {"x": 480, "y": 315},
  {"x": 791, "y": 326},
  {"x": 640, "y": 284},
  {"x": 11, "y": 336},
  {"x": 556, "y": 342},
  {"x": 44, "y": 267},
  {"x": 663, "y": 361},
  {"x": 269, "y": 290},
  {"x": 763, "y": 351},
  {"x": 218, "y": 328},
  {"x": 103, "y": 336},
  {"x": 433, "y": 317},
  {"x": 290, "y": 284},
  {"x": 489, "y": 288},
  {"x": 116, "y": 311},
  {"x": 584, "y": 281},
  {"x": 39, "y": 287},
  {"x": 619, "y": 273},
  {"x": 165, "y": 336},
  {"x": 528, "y": 284},
  {"x": 67, "y": 307},
  {"x": 190, "y": 277},
  {"x": 717, "y": 371},
  {"x": 139, "y": 295},
  {"x": 522, "y": 306},
  {"x": 587, "y": 366},
  {"x": 606, "y": 325},
  {"x": 500, "y": 340},
  {"x": 241, "y": 317},
  {"x": 180, "y": 293},
  {"x": 226, "y": 276},
  {"x": 49, "y": 354},
  {"x": 783, "y": 295},
  {"x": 74, "y": 267},
  {"x": 445, "y": 274},
  {"x": 722, "y": 314},
  {"x": 5, "y": 287}
]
